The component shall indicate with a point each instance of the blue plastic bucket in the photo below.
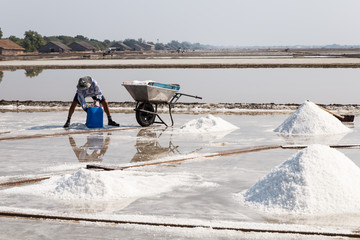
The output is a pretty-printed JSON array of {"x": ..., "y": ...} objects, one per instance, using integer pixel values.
[{"x": 94, "y": 117}]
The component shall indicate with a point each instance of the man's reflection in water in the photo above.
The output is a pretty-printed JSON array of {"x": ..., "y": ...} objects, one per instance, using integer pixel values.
[
  {"x": 96, "y": 144},
  {"x": 148, "y": 147}
]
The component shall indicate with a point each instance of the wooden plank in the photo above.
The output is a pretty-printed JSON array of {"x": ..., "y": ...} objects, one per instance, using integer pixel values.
[
  {"x": 33, "y": 179},
  {"x": 351, "y": 146},
  {"x": 343, "y": 118},
  {"x": 75, "y": 219},
  {"x": 23, "y": 182},
  {"x": 23, "y": 137},
  {"x": 222, "y": 153},
  {"x": 209, "y": 155},
  {"x": 334, "y": 114}
]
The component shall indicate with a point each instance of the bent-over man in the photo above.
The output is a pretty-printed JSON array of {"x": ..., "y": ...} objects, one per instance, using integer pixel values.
[{"x": 88, "y": 87}]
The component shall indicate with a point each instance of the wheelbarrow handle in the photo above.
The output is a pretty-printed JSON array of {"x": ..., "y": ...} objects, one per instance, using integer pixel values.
[
  {"x": 188, "y": 95},
  {"x": 176, "y": 97}
]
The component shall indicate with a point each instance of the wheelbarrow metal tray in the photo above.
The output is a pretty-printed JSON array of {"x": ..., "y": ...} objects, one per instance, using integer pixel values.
[{"x": 156, "y": 92}]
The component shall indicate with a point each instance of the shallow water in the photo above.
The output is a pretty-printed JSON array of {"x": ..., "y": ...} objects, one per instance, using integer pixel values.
[
  {"x": 323, "y": 86},
  {"x": 224, "y": 175}
]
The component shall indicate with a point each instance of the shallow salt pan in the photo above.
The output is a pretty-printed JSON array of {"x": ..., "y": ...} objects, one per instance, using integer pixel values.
[
  {"x": 310, "y": 119},
  {"x": 318, "y": 180}
]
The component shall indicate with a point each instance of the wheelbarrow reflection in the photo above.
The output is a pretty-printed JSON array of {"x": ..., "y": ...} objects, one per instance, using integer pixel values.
[
  {"x": 148, "y": 147},
  {"x": 93, "y": 150}
]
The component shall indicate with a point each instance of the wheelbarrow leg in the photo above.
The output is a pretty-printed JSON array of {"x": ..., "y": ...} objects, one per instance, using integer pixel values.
[
  {"x": 157, "y": 115},
  {"x": 161, "y": 121},
  {"x": 172, "y": 121}
]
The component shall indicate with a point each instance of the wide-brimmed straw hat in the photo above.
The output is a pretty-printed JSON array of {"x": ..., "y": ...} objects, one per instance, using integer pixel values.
[{"x": 84, "y": 83}]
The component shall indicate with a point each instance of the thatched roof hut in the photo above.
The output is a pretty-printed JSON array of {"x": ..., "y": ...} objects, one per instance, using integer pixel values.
[{"x": 8, "y": 47}]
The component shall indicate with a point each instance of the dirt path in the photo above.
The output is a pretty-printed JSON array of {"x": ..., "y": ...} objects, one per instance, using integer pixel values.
[{"x": 331, "y": 62}]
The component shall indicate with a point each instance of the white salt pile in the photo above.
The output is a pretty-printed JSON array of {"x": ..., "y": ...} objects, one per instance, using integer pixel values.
[
  {"x": 318, "y": 180},
  {"x": 108, "y": 186},
  {"x": 309, "y": 119},
  {"x": 87, "y": 184},
  {"x": 206, "y": 124}
]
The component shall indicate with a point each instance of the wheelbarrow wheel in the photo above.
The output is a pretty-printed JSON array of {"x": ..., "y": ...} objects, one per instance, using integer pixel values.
[{"x": 144, "y": 118}]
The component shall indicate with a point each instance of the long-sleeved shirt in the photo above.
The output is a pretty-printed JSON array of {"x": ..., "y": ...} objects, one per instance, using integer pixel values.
[{"x": 92, "y": 91}]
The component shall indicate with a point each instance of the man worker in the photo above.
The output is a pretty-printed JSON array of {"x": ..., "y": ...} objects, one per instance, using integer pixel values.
[{"x": 88, "y": 87}]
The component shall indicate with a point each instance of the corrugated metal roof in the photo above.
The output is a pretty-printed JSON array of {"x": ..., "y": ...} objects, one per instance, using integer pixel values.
[
  {"x": 60, "y": 45},
  {"x": 121, "y": 45},
  {"x": 83, "y": 44}
]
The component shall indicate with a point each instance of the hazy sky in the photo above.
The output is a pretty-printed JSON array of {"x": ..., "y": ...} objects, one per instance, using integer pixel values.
[{"x": 223, "y": 22}]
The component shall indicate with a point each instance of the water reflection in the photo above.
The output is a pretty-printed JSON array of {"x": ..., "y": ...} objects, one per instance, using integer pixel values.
[
  {"x": 1, "y": 75},
  {"x": 33, "y": 72},
  {"x": 312, "y": 139},
  {"x": 237, "y": 85},
  {"x": 148, "y": 147},
  {"x": 335, "y": 220},
  {"x": 89, "y": 207},
  {"x": 96, "y": 144}
]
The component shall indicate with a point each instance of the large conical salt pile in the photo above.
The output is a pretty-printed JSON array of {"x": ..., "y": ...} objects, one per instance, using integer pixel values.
[
  {"x": 309, "y": 119},
  {"x": 318, "y": 180}
]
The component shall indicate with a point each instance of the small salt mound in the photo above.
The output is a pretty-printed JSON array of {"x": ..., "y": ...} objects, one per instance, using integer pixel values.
[
  {"x": 84, "y": 183},
  {"x": 208, "y": 123},
  {"x": 90, "y": 185},
  {"x": 318, "y": 180},
  {"x": 137, "y": 82},
  {"x": 309, "y": 119}
]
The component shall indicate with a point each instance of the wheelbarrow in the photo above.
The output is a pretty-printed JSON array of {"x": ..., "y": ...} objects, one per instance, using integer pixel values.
[{"x": 148, "y": 95}]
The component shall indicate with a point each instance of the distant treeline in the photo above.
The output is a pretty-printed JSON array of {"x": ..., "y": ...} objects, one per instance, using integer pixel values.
[
  {"x": 33, "y": 41},
  {"x": 102, "y": 45}
]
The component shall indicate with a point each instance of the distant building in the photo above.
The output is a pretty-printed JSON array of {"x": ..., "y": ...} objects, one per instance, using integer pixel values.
[
  {"x": 82, "y": 47},
  {"x": 54, "y": 46},
  {"x": 147, "y": 46},
  {"x": 120, "y": 46},
  {"x": 8, "y": 47},
  {"x": 134, "y": 46},
  {"x": 137, "y": 47},
  {"x": 160, "y": 46}
]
